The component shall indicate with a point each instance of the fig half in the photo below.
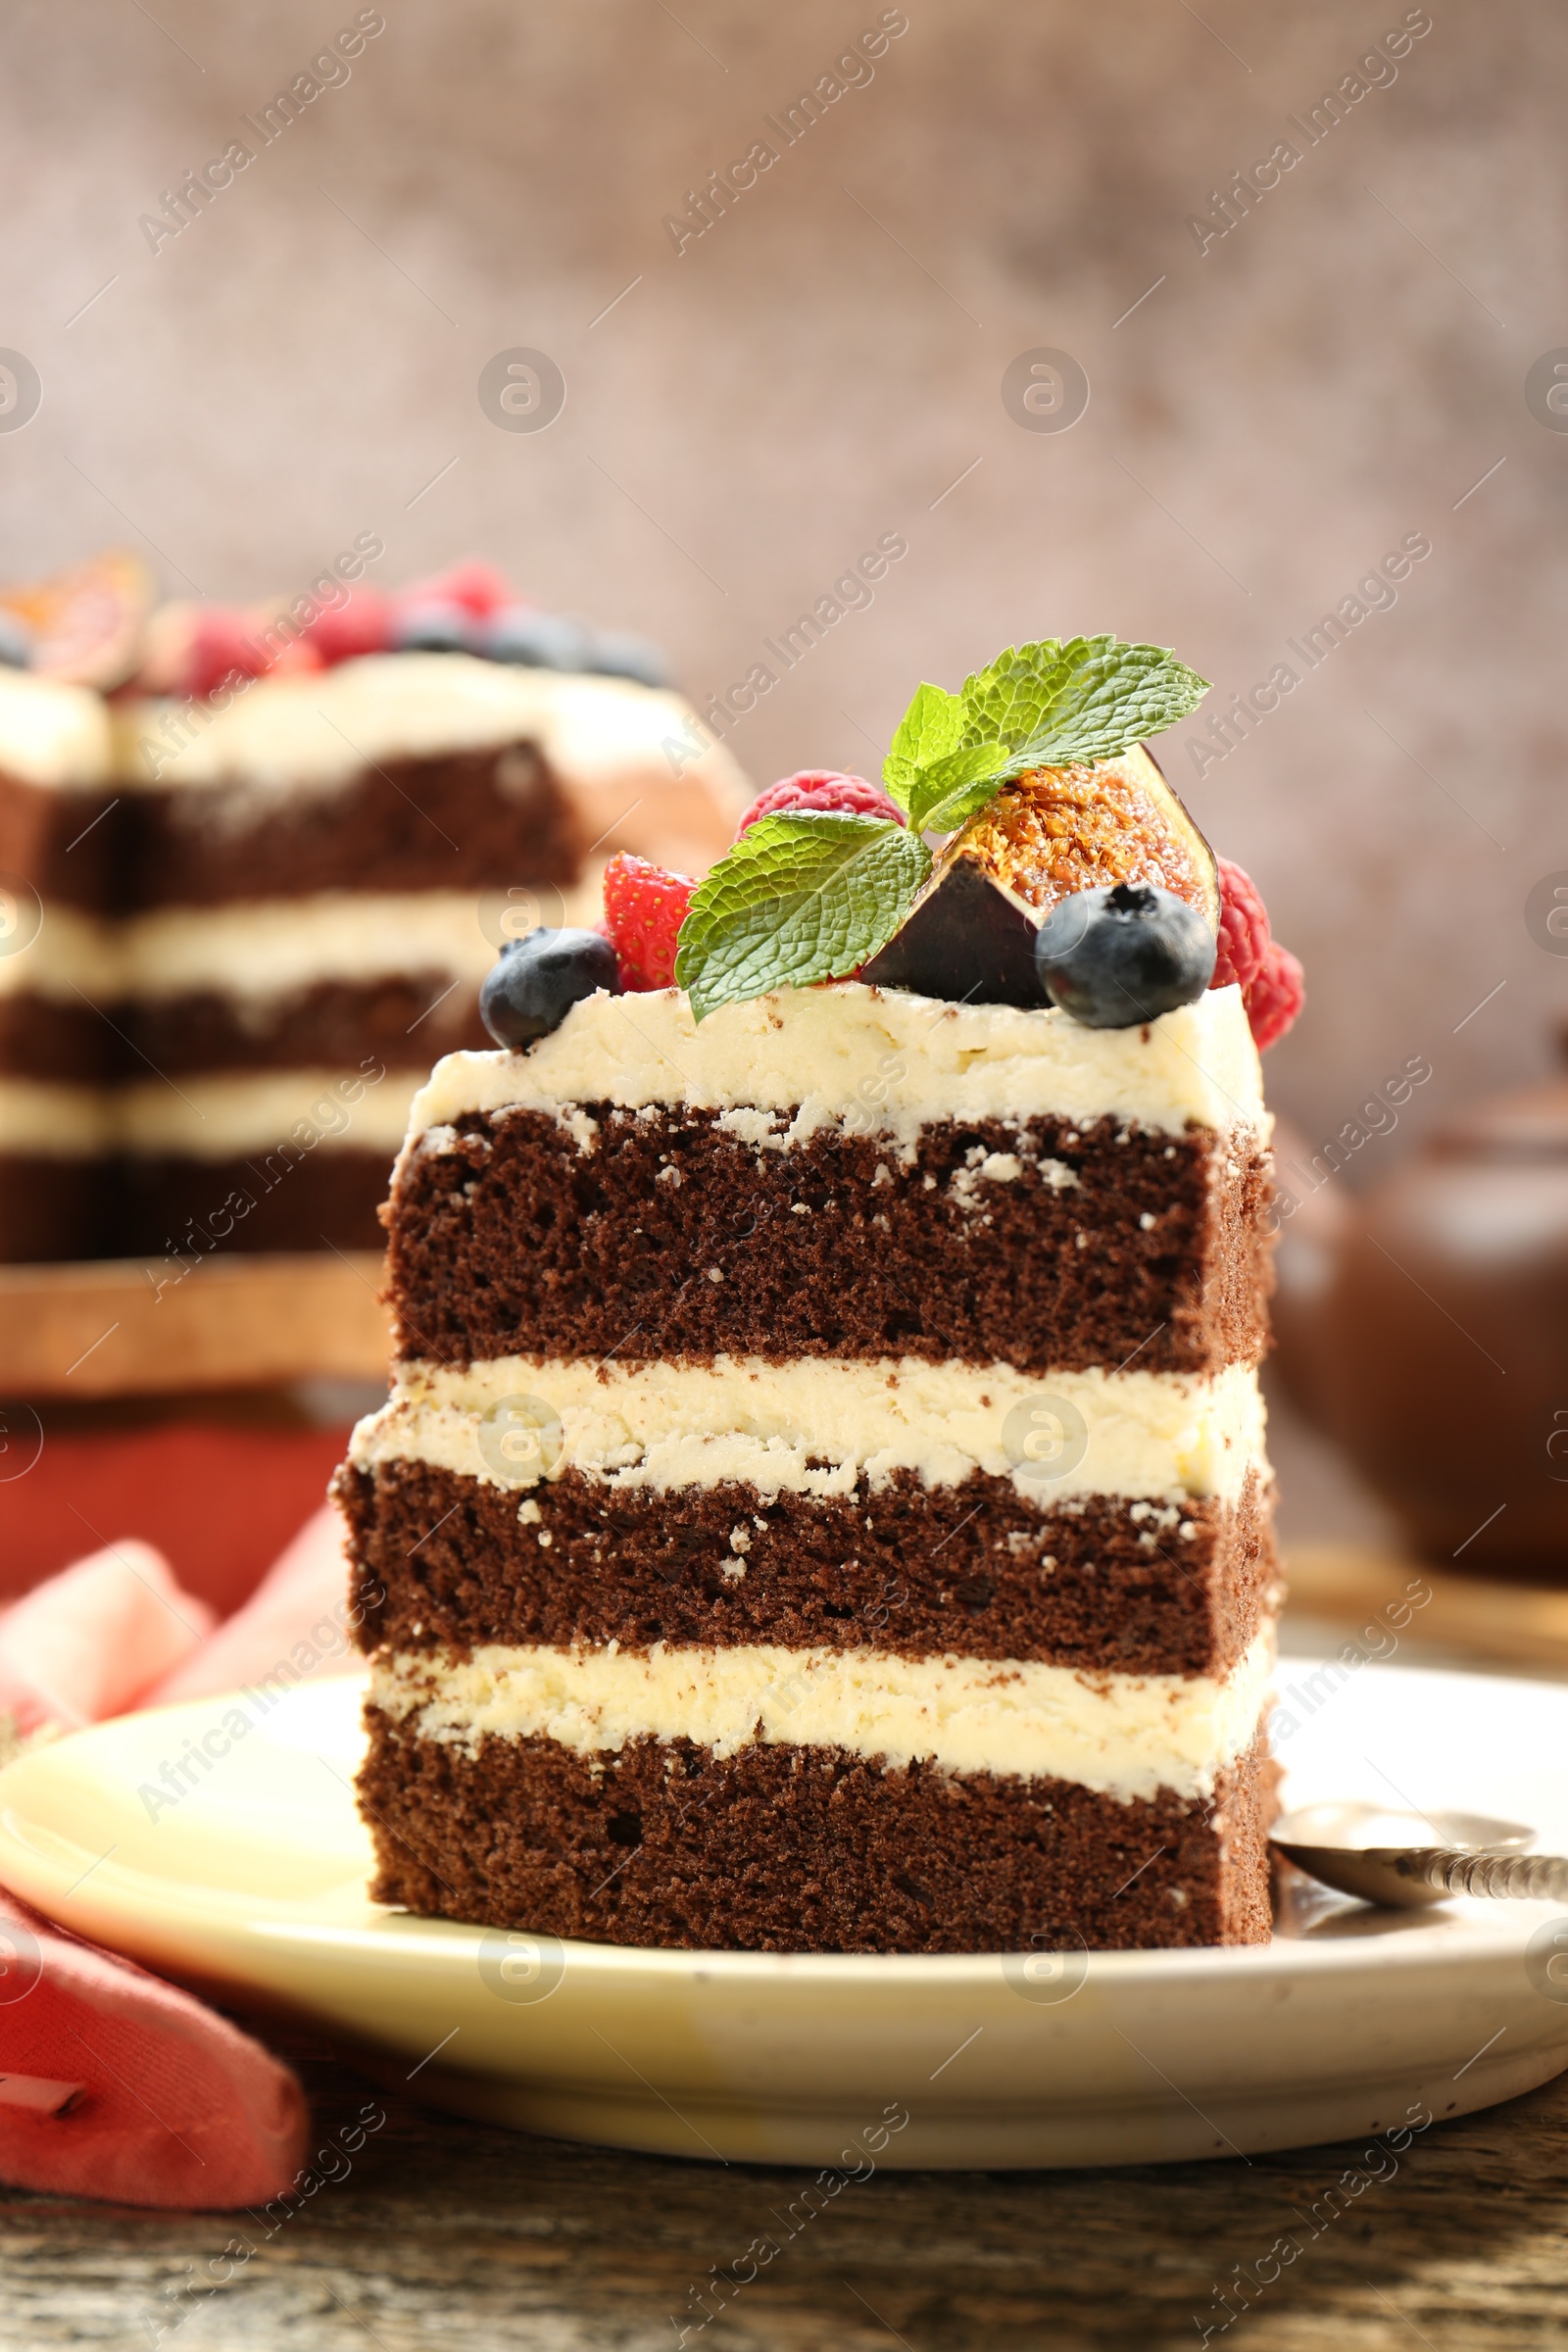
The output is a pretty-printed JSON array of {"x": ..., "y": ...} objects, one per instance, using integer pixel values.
[
  {"x": 969, "y": 936},
  {"x": 86, "y": 622}
]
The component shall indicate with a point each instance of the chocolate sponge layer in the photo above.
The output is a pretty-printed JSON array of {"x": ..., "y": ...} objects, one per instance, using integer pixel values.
[
  {"x": 1131, "y": 1246},
  {"x": 441, "y": 1559},
  {"x": 276, "y": 1200},
  {"x": 465, "y": 820},
  {"x": 790, "y": 1849},
  {"x": 408, "y": 1022}
]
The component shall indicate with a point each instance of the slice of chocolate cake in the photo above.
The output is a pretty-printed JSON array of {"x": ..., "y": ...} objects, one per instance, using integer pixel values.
[
  {"x": 56, "y": 807},
  {"x": 238, "y": 923},
  {"x": 822, "y": 1504}
]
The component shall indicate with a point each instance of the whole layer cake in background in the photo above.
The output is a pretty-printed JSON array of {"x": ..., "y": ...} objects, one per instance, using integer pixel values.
[
  {"x": 251, "y": 914},
  {"x": 822, "y": 1504}
]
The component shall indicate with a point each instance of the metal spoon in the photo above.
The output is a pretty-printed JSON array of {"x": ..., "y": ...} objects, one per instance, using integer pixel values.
[{"x": 1390, "y": 1859}]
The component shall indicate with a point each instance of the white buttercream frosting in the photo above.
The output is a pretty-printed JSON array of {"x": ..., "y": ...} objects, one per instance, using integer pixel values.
[
  {"x": 1127, "y": 1735},
  {"x": 320, "y": 728},
  {"x": 51, "y": 734},
  {"x": 877, "y": 1059},
  {"x": 815, "y": 1426}
]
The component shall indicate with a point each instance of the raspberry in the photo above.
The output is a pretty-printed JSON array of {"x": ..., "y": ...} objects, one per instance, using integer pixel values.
[
  {"x": 1275, "y": 996},
  {"x": 822, "y": 790},
  {"x": 645, "y": 906},
  {"x": 1244, "y": 934},
  {"x": 222, "y": 639},
  {"x": 473, "y": 584},
  {"x": 361, "y": 624}
]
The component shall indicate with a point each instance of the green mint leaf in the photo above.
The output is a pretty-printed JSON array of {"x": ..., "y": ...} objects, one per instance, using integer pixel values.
[
  {"x": 1091, "y": 699},
  {"x": 955, "y": 786},
  {"x": 799, "y": 897},
  {"x": 930, "y": 728}
]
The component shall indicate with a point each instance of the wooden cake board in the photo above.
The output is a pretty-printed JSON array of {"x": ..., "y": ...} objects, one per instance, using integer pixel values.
[{"x": 125, "y": 1328}]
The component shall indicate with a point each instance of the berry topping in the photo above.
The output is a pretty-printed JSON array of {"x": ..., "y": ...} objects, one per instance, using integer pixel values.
[
  {"x": 539, "y": 979},
  {"x": 361, "y": 624},
  {"x": 473, "y": 584},
  {"x": 429, "y": 626},
  {"x": 645, "y": 906},
  {"x": 223, "y": 641},
  {"x": 1115, "y": 958},
  {"x": 537, "y": 640},
  {"x": 825, "y": 792},
  {"x": 613, "y": 655},
  {"x": 1242, "y": 928},
  {"x": 1275, "y": 997},
  {"x": 298, "y": 655}
]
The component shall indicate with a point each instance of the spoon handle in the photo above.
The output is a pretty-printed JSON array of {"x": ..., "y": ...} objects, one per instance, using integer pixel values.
[{"x": 1525, "y": 1877}]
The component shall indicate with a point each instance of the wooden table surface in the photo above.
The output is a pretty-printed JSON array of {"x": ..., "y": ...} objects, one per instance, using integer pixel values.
[{"x": 445, "y": 2234}]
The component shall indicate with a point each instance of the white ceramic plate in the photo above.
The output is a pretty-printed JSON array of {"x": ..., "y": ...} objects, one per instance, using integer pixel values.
[{"x": 252, "y": 1885}]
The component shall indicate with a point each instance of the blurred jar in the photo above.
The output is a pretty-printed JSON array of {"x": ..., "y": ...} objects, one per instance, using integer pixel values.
[{"x": 1424, "y": 1325}]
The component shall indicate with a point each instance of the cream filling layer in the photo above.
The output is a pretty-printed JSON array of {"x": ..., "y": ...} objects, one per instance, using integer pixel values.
[
  {"x": 51, "y": 734},
  {"x": 258, "y": 1113},
  {"x": 39, "y": 1120},
  {"x": 1121, "y": 1735},
  {"x": 815, "y": 1427},
  {"x": 874, "y": 1060},
  {"x": 261, "y": 1111},
  {"x": 261, "y": 952}
]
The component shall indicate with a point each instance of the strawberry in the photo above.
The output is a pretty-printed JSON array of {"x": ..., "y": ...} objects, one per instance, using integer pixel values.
[
  {"x": 1244, "y": 933},
  {"x": 1274, "y": 997},
  {"x": 297, "y": 656},
  {"x": 645, "y": 906},
  {"x": 821, "y": 790}
]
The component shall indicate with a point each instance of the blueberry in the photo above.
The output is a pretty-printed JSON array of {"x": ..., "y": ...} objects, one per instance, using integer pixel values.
[
  {"x": 16, "y": 644},
  {"x": 1115, "y": 958},
  {"x": 434, "y": 628},
  {"x": 613, "y": 655},
  {"x": 539, "y": 979},
  {"x": 537, "y": 640}
]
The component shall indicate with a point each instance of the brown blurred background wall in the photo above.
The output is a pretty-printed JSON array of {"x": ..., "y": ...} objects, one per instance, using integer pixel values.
[{"x": 1343, "y": 370}]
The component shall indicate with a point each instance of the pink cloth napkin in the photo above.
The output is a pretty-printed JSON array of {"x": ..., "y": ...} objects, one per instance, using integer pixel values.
[
  {"x": 116, "y": 2084},
  {"x": 298, "y": 1614},
  {"x": 87, "y": 1642},
  {"x": 113, "y": 2084}
]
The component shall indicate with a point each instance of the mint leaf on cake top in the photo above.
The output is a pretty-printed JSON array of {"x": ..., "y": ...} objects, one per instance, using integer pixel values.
[
  {"x": 1060, "y": 706},
  {"x": 797, "y": 899},
  {"x": 804, "y": 897},
  {"x": 1048, "y": 705}
]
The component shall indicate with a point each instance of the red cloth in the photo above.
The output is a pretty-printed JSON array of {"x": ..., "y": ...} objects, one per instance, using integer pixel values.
[
  {"x": 113, "y": 2084},
  {"x": 118, "y": 2086},
  {"x": 86, "y": 1643}
]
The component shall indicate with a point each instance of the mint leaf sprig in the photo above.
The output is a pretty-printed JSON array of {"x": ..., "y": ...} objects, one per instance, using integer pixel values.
[
  {"x": 812, "y": 896},
  {"x": 1048, "y": 705},
  {"x": 799, "y": 898}
]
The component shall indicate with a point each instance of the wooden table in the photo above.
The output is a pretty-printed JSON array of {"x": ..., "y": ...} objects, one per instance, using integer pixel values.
[{"x": 446, "y": 2233}]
